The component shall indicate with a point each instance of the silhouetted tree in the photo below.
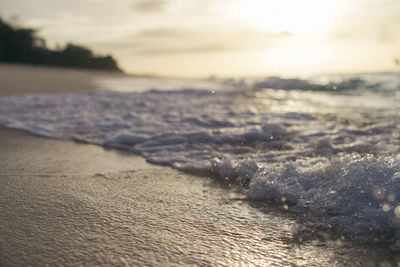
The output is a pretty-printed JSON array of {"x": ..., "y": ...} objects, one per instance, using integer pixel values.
[{"x": 22, "y": 45}]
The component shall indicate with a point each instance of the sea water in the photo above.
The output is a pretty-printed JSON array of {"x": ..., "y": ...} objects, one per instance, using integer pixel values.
[{"x": 327, "y": 147}]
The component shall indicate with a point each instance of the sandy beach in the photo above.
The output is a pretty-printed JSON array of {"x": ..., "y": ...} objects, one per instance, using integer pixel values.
[
  {"x": 22, "y": 79},
  {"x": 72, "y": 204}
]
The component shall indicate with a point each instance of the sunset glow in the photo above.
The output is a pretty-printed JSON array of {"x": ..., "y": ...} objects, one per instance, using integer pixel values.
[
  {"x": 225, "y": 38},
  {"x": 310, "y": 17}
]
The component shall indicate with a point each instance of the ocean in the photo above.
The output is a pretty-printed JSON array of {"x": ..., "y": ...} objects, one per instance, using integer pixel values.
[{"x": 326, "y": 146}]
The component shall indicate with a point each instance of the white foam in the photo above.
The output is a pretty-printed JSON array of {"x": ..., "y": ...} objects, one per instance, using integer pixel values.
[{"x": 344, "y": 175}]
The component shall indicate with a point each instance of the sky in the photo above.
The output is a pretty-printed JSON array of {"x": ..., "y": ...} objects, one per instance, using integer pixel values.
[{"x": 200, "y": 38}]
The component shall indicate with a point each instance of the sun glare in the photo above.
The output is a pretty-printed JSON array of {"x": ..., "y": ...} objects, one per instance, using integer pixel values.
[{"x": 298, "y": 17}]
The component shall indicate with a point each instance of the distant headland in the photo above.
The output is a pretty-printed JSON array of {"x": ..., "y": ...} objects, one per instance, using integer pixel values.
[{"x": 23, "y": 45}]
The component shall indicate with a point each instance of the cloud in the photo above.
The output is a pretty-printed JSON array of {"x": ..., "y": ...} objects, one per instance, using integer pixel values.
[
  {"x": 162, "y": 33},
  {"x": 182, "y": 49},
  {"x": 162, "y": 41},
  {"x": 150, "y": 6}
]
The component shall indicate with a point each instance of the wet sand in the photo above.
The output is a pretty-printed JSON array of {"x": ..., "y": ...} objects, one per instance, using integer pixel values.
[
  {"x": 22, "y": 79},
  {"x": 66, "y": 203}
]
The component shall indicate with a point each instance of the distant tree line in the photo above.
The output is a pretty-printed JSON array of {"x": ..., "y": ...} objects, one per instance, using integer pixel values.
[{"x": 22, "y": 45}]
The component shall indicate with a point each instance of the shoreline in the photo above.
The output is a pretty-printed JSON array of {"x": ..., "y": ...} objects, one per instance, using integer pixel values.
[{"x": 68, "y": 203}]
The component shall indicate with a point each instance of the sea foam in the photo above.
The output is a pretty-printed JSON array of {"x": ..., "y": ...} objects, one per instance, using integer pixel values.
[{"x": 342, "y": 169}]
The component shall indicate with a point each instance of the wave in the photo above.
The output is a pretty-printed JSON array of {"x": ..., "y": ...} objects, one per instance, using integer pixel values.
[
  {"x": 384, "y": 83},
  {"x": 299, "y": 84},
  {"x": 342, "y": 175}
]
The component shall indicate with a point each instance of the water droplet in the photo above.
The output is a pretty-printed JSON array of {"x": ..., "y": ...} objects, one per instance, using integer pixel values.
[
  {"x": 286, "y": 207},
  {"x": 283, "y": 199},
  {"x": 379, "y": 193},
  {"x": 386, "y": 207},
  {"x": 397, "y": 211}
]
